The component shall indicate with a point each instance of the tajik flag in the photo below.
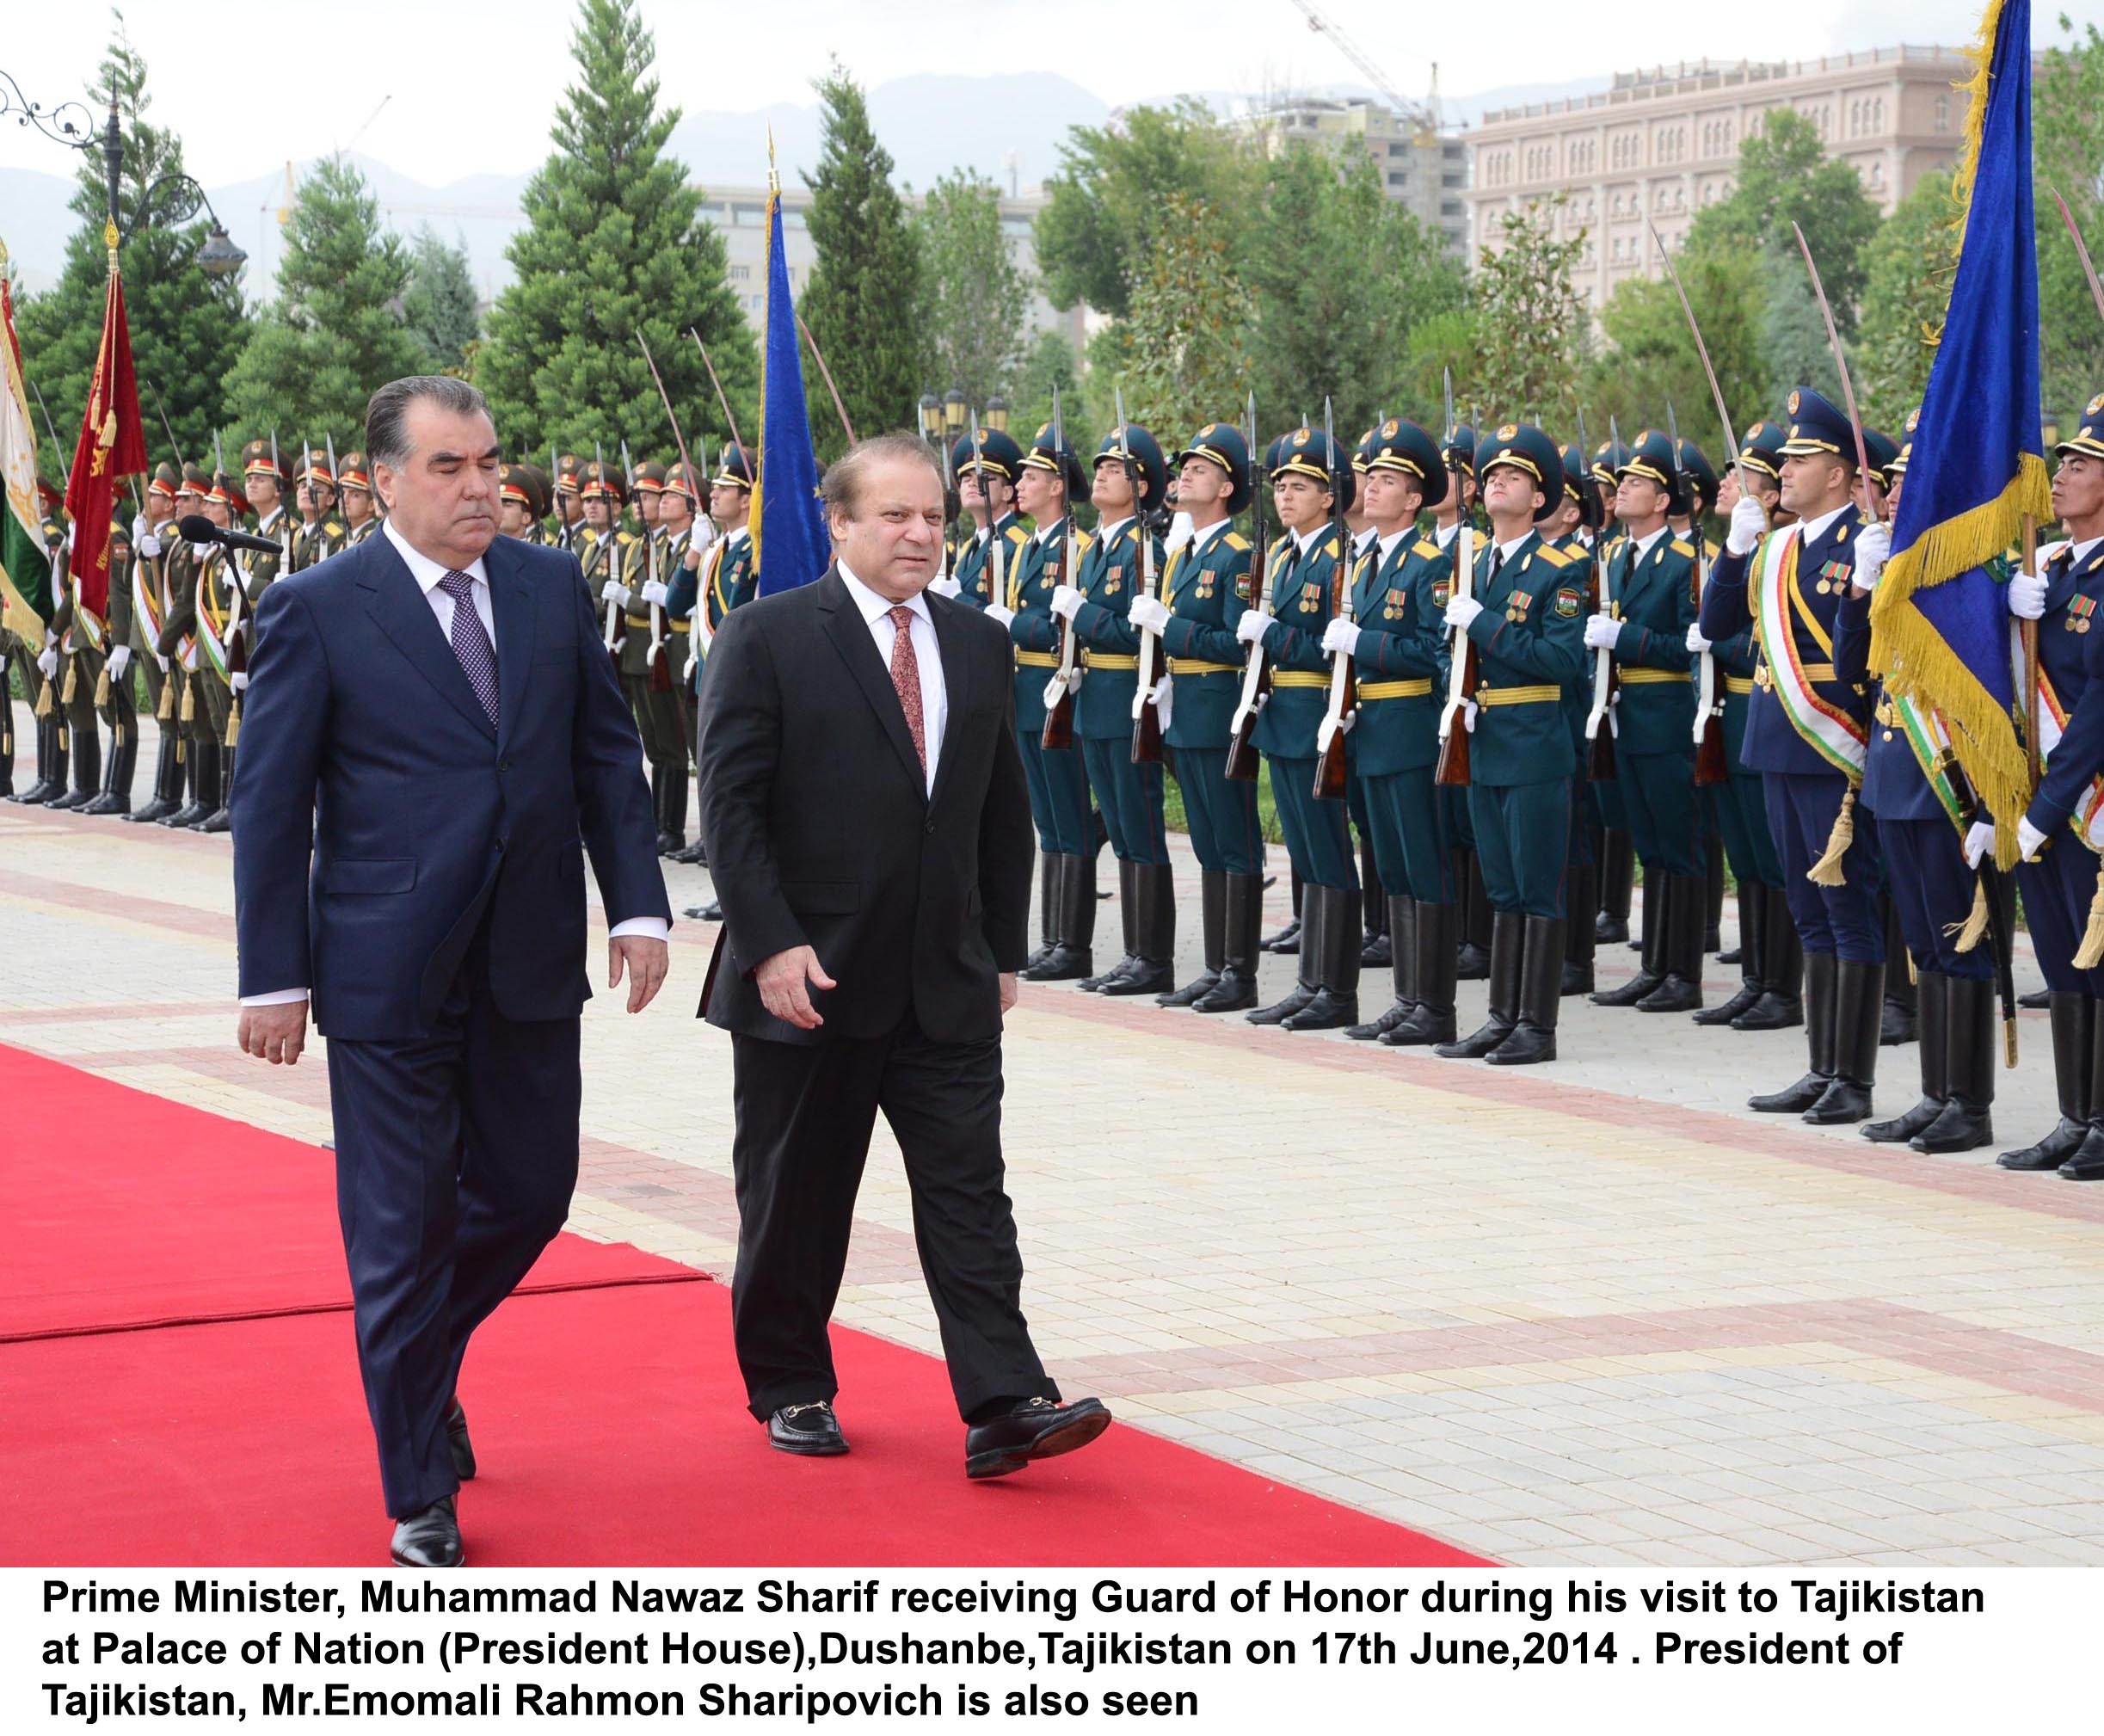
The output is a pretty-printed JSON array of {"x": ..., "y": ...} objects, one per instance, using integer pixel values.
[
  {"x": 111, "y": 445},
  {"x": 24, "y": 569}
]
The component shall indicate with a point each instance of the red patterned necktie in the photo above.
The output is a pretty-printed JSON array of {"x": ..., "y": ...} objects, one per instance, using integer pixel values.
[{"x": 906, "y": 678}]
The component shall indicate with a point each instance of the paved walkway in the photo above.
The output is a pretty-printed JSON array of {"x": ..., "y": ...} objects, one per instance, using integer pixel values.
[{"x": 1591, "y": 1313}]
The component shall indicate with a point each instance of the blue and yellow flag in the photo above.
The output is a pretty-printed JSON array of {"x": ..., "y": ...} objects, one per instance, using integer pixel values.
[
  {"x": 1941, "y": 620},
  {"x": 789, "y": 544}
]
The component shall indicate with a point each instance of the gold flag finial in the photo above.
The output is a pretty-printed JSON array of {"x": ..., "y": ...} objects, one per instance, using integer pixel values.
[
  {"x": 110, "y": 234},
  {"x": 774, "y": 180}
]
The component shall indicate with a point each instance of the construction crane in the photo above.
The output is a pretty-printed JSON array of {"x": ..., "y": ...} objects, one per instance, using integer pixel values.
[{"x": 1426, "y": 115}]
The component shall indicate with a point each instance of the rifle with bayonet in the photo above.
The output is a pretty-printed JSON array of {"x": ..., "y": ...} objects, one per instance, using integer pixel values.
[
  {"x": 1332, "y": 760},
  {"x": 1599, "y": 726},
  {"x": 1711, "y": 767},
  {"x": 1147, "y": 749},
  {"x": 660, "y": 672},
  {"x": 1461, "y": 674},
  {"x": 1059, "y": 690},
  {"x": 1255, "y": 669},
  {"x": 611, "y": 573},
  {"x": 997, "y": 552}
]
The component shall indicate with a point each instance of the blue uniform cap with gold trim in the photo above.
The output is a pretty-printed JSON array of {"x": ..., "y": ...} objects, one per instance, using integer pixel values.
[
  {"x": 1308, "y": 452},
  {"x": 1224, "y": 444},
  {"x": 1816, "y": 427},
  {"x": 997, "y": 452},
  {"x": 1699, "y": 474},
  {"x": 1525, "y": 447},
  {"x": 1400, "y": 445},
  {"x": 1144, "y": 450},
  {"x": 2088, "y": 436},
  {"x": 1651, "y": 458},
  {"x": 1608, "y": 459},
  {"x": 1047, "y": 454},
  {"x": 1761, "y": 448},
  {"x": 733, "y": 466}
]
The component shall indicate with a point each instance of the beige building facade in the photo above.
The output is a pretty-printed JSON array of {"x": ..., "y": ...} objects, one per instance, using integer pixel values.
[
  {"x": 1422, "y": 168},
  {"x": 1664, "y": 143}
]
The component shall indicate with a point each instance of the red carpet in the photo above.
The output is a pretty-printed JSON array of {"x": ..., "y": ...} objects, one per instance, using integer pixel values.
[{"x": 609, "y": 1419}]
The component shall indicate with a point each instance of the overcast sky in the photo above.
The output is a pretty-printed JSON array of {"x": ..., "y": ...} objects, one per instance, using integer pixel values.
[{"x": 472, "y": 85}]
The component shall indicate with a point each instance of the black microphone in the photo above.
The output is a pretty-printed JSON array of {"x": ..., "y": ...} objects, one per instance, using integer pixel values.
[{"x": 197, "y": 529}]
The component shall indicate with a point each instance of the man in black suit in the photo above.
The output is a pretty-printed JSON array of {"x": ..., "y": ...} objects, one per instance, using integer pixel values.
[
  {"x": 869, "y": 834},
  {"x": 432, "y": 728}
]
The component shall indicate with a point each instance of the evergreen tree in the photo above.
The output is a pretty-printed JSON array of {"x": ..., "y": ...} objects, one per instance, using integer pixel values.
[
  {"x": 1050, "y": 361},
  {"x": 1531, "y": 322},
  {"x": 186, "y": 329},
  {"x": 1651, "y": 362},
  {"x": 1183, "y": 347},
  {"x": 1909, "y": 267},
  {"x": 614, "y": 246},
  {"x": 438, "y": 306},
  {"x": 976, "y": 291},
  {"x": 334, "y": 334},
  {"x": 865, "y": 289},
  {"x": 1794, "y": 349},
  {"x": 2066, "y": 97}
]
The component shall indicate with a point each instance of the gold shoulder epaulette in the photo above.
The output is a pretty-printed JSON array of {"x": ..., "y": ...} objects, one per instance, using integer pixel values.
[
  {"x": 1681, "y": 547},
  {"x": 1018, "y": 535},
  {"x": 1081, "y": 542},
  {"x": 1277, "y": 550},
  {"x": 1554, "y": 557},
  {"x": 1426, "y": 547},
  {"x": 1335, "y": 548},
  {"x": 1236, "y": 540}
]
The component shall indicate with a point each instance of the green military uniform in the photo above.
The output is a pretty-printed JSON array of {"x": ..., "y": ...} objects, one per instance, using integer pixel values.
[
  {"x": 1399, "y": 597},
  {"x": 1303, "y": 575},
  {"x": 1612, "y": 849},
  {"x": 979, "y": 572},
  {"x": 326, "y": 533},
  {"x": 53, "y": 734},
  {"x": 686, "y": 555},
  {"x": 570, "y": 533},
  {"x": 665, "y": 687},
  {"x": 1582, "y": 883},
  {"x": 221, "y": 599},
  {"x": 149, "y": 599},
  {"x": 645, "y": 668},
  {"x": 353, "y": 477},
  {"x": 1526, "y": 629},
  {"x": 724, "y": 581},
  {"x": 113, "y": 692},
  {"x": 84, "y": 646},
  {"x": 177, "y": 645}
]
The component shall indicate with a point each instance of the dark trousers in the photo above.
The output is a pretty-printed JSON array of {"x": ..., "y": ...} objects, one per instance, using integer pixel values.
[
  {"x": 1523, "y": 839},
  {"x": 1739, "y": 808},
  {"x": 1931, "y": 891},
  {"x": 456, "y": 1156},
  {"x": 1225, "y": 833},
  {"x": 2058, "y": 890},
  {"x": 1842, "y": 920},
  {"x": 1663, "y": 817},
  {"x": 804, "y": 1116},
  {"x": 1129, "y": 798},
  {"x": 1318, "y": 840},
  {"x": 1059, "y": 796},
  {"x": 1410, "y": 844}
]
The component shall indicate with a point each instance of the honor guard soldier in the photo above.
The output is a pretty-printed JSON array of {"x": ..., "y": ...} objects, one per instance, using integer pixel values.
[
  {"x": 113, "y": 696},
  {"x": 151, "y": 587},
  {"x": 1771, "y": 966},
  {"x": 2063, "y": 830},
  {"x": 1123, "y": 557},
  {"x": 322, "y": 532},
  {"x": 1700, "y": 479},
  {"x": 987, "y": 487},
  {"x": 727, "y": 580},
  {"x": 649, "y": 485},
  {"x": 518, "y": 516},
  {"x": 1205, "y": 589},
  {"x": 608, "y": 552},
  {"x": 265, "y": 478},
  {"x": 1614, "y": 852},
  {"x": 74, "y": 667},
  {"x": 646, "y": 664},
  {"x": 570, "y": 526},
  {"x": 1651, "y": 584},
  {"x": 1574, "y": 528},
  {"x": 39, "y": 665},
  {"x": 361, "y": 514},
  {"x": 1806, "y": 734},
  {"x": 1376, "y": 953},
  {"x": 1307, "y": 479},
  {"x": 222, "y": 613},
  {"x": 1472, "y": 904},
  {"x": 1396, "y": 639},
  {"x": 1907, "y": 786},
  {"x": 1525, "y": 619},
  {"x": 178, "y": 647},
  {"x": 675, "y": 590},
  {"x": 1047, "y": 480}
]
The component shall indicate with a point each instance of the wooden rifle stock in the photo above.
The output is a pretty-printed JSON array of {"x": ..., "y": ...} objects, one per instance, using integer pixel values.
[
  {"x": 1058, "y": 735},
  {"x": 1242, "y": 757}
]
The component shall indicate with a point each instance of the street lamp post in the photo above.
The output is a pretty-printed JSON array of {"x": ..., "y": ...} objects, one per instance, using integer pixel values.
[{"x": 218, "y": 256}]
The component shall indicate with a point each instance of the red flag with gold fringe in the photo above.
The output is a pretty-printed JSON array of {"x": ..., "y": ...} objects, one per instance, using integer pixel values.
[{"x": 111, "y": 445}]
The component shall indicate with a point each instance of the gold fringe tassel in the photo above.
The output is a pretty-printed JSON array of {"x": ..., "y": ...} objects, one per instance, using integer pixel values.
[
  {"x": 42, "y": 708},
  {"x": 1975, "y": 924},
  {"x": 2091, "y": 953},
  {"x": 1827, "y": 871},
  {"x": 72, "y": 681},
  {"x": 233, "y": 726},
  {"x": 102, "y": 689},
  {"x": 166, "y": 709},
  {"x": 189, "y": 703}
]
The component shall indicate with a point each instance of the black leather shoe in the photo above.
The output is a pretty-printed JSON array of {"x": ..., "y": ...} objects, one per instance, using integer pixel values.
[
  {"x": 809, "y": 1428},
  {"x": 1146, "y": 976},
  {"x": 1374, "y": 1030},
  {"x": 1288, "y": 939},
  {"x": 696, "y": 855},
  {"x": 1324, "y": 1010},
  {"x": 1036, "y": 1429},
  {"x": 2037, "y": 1001},
  {"x": 711, "y": 912},
  {"x": 1280, "y": 1011},
  {"x": 2050, "y": 1151},
  {"x": 428, "y": 1539},
  {"x": 1235, "y": 992},
  {"x": 1471, "y": 963},
  {"x": 457, "y": 1440}
]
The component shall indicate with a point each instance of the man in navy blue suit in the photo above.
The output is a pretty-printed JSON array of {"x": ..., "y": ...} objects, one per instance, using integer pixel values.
[{"x": 434, "y": 740}]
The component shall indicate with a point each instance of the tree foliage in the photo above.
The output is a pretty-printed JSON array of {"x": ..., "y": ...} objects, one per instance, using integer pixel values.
[
  {"x": 1182, "y": 351},
  {"x": 1530, "y": 321},
  {"x": 186, "y": 329},
  {"x": 1908, "y": 270},
  {"x": 865, "y": 289},
  {"x": 1050, "y": 361},
  {"x": 1651, "y": 361},
  {"x": 2067, "y": 95},
  {"x": 334, "y": 331},
  {"x": 439, "y": 306},
  {"x": 614, "y": 246},
  {"x": 976, "y": 292}
]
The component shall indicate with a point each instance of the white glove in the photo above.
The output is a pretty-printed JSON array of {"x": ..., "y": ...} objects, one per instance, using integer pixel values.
[
  {"x": 1179, "y": 532},
  {"x": 1249, "y": 629},
  {"x": 1468, "y": 717},
  {"x": 71, "y": 532},
  {"x": 1749, "y": 525},
  {"x": 1979, "y": 841},
  {"x": 995, "y": 612},
  {"x": 120, "y": 660},
  {"x": 140, "y": 527},
  {"x": 238, "y": 681},
  {"x": 1461, "y": 611},
  {"x": 1696, "y": 643},
  {"x": 613, "y": 591},
  {"x": 1065, "y": 601},
  {"x": 162, "y": 660},
  {"x": 1340, "y": 636},
  {"x": 2029, "y": 841},
  {"x": 942, "y": 587},
  {"x": 47, "y": 660},
  {"x": 1150, "y": 613},
  {"x": 147, "y": 545},
  {"x": 2027, "y": 596},
  {"x": 1872, "y": 545},
  {"x": 1163, "y": 696},
  {"x": 654, "y": 591},
  {"x": 1602, "y": 632}
]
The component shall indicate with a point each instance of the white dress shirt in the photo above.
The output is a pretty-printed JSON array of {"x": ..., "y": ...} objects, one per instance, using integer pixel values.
[
  {"x": 427, "y": 572},
  {"x": 934, "y": 695},
  {"x": 1194, "y": 549}
]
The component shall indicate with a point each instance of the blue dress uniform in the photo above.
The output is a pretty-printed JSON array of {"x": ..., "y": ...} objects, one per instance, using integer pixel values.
[
  {"x": 1207, "y": 588},
  {"x": 1472, "y": 912},
  {"x": 1303, "y": 571},
  {"x": 1808, "y": 745},
  {"x": 1124, "y": 556},
  {"x": 1932, "y": 889},
  {"x": 1529, "y": 641},
  {"x": 1614, "y": 852},
  {"x": 1582, "y": 871},
  {"x": 996, "y": 455},
  {"x": 1058, "y": 786},
  {"x": 1399, "y": 597},
  {"x": 1771, "y": 966},
  {"x": 1650, "y": 588}
]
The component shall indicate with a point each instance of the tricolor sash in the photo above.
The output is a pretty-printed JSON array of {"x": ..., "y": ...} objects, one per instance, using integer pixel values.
[
  {"x": 145, "y": 605},
  {"x": 1836, "y": 735},
  {"x": 209, "y": 645},
  {"x": 2087, "y": 819}
]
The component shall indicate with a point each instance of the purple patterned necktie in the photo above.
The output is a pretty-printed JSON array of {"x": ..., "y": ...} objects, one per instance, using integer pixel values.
[{"x": 478, "y": 657}]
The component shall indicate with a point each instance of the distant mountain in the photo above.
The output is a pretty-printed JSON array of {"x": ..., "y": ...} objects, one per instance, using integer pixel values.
[{"x": 36, "y": 225}]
